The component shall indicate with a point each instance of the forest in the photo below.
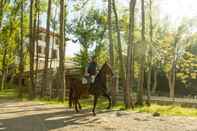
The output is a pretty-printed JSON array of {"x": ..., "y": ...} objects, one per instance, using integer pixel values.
[
  {"x": 138, "y": 44},
  {"x": 45, "y": 45}
]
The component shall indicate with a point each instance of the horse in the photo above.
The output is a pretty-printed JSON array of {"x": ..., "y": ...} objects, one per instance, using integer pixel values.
[{"x": 97, "y": 88}]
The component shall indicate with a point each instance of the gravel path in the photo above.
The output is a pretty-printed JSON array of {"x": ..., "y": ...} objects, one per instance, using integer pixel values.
[{"x": 31, "y": 116}]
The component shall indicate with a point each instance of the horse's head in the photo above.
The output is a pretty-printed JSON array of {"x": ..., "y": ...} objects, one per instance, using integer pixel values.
[{"x": 107, "y": 69}]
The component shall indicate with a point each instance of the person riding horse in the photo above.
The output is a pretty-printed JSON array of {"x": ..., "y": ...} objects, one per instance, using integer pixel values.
[
  {"x": 90, "y": 71},
  {"x": 98, "y": 88}
]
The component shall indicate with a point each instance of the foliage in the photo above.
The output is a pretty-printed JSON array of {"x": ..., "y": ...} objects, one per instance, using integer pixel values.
[{"x": 89, "y": 32}]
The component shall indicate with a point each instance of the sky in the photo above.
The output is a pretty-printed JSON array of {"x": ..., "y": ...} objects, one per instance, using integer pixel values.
[
  {"x": 173, "y": 10},
  {"x": 178, "y": 9}
]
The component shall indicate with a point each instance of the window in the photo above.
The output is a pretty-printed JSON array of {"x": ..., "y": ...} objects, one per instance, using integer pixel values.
[
  {"x": 57, "y": 41},
  {"x": 54, "y": 54},
  {"x": 41, "y": 37},
  {"x": 39, "y": 49}
]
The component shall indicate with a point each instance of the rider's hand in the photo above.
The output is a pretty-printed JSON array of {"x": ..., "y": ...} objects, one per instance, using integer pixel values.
[{"x": 86, "y": 74}]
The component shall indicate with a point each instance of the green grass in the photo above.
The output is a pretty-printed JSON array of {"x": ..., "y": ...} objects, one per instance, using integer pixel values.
[
  {"x": 8, "y": 94},
  {"x": 170, "y": 110}
]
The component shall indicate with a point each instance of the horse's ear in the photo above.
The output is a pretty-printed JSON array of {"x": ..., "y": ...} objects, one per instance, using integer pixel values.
[{"x": 108, "y": 64}]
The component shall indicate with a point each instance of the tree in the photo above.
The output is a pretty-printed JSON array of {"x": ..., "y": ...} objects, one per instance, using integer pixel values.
[
  {"x": 3, "y": 69},
  {"x": 111, "y": 48},
  {"x": 8, "y": 39},
  {"x": 54, "y": 27},
  {"x": 37, "y": 7},
  {"x": 130, "y": 60},
  {"x": 89, "y": 32},
  {"x": 61, "y": 52},
  {"x": 21, "y": 53},
  {"x": 149, "y": 57},
  {"x": 31, "y": 51},
  {"x": 45, "y": 75},
  {"x": 122, "y": 69},
  {"x": 179, "y": 42},
  {"x": 2, "y": 4},
  {"x": 171, "y": 47},
  {"x": 142, "y": 68}
]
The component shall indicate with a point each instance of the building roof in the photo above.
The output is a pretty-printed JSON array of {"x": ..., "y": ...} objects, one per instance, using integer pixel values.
[
  {"x": 51, "y": 33},
  {"x": 44, "y": 30}
]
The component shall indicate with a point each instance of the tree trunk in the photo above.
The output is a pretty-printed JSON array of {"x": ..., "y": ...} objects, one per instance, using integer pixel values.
[
  {"x": 171, "y": 80},
  {"x": 2, "y": 3},
  {"x": 1, "y": 12},
  {"x": 46, "y": 74},
  {"x": 4, "y": 69},
  {"x": 130, "y": 61},
  {"x": 61, "y": 53},
  {"x": 37, "y": 38},
  {"x": 155, "y": 82},
  {"x": 53, "y": 43},
  {"x": 31, "y": 49},
  {"x": 149, "y": 86},
  {"x": 21, "y": 54},
  {"x": 150, "y": 55},
  {"x": 142, "y": 70},
  {"x": 122, "y": 69},
  {"x": 111, "y": 48},
  {"x": 169, "y": 76}
]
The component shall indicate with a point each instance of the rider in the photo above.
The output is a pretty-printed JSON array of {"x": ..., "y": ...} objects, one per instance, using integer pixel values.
[{"x": 91, "y": 69}]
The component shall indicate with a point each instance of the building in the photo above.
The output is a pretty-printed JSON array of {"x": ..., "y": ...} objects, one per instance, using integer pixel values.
[
  {"x": 39, "y": 52},
  {"x": 53, "y": 49}
]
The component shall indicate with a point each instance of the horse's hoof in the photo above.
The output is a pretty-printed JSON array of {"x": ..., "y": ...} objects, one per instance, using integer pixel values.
[{"x": 94, "y": 114}]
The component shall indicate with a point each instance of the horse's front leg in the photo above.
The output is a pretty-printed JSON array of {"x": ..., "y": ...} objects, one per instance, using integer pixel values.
[
  {"x": 95, "y": 101},
  {"x": 109, "y": 99}
]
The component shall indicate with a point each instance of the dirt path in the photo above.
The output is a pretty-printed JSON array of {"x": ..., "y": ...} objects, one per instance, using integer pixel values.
[{"x": 31, "y": 116}]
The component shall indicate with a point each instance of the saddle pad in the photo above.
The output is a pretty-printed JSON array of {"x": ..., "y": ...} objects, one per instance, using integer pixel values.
[
  {"x": 84, "y": 80},
  {"x": 92, "y": 79}
]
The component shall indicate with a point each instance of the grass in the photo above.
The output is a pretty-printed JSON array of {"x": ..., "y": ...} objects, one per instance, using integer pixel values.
[
  {"x": 169, "y": 110},
  {"x": 8, "y": 94}
]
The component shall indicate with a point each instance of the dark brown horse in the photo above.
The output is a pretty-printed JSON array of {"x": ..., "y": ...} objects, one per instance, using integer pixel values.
[{"x": 97, "y": 89}]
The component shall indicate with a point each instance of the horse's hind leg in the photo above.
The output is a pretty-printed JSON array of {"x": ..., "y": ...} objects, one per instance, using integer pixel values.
[
  {"x": 79, "y": 105},
  {"x": 109, "y": 99},
  {"x": 95, "y": 101},
  {"x": 70, "y": 98}
]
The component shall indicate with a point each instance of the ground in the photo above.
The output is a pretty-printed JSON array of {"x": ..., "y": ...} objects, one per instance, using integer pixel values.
[{"x": 37, "y": 116}]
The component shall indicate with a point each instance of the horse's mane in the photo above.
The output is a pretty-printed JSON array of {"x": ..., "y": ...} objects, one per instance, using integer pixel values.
[{"x": 99, "y": 73}]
